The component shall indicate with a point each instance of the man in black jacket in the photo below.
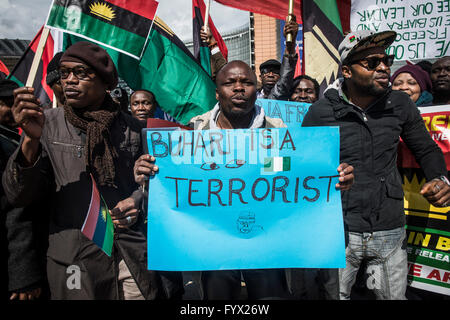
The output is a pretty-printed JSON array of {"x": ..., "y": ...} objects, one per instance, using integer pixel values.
[
  {"x": 372, "y": 118},
  {"x": 22, "y": 230}
]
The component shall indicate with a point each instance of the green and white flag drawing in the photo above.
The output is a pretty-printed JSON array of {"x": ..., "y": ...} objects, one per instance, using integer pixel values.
[{"x": 277, "y": 164}]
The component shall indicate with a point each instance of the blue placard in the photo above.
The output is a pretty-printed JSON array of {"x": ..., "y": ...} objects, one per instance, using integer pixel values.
[
  {"x": 292, "y": 113},
  {"x": 245, "y": 199}
]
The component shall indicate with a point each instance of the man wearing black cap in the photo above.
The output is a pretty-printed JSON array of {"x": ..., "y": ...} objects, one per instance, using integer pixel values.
[
  {"x": 372, "y": 118},
  {"x": 63, "y": 153},
  {"x": 21, "y": 242},
  {"x": 276, "y": 78}
]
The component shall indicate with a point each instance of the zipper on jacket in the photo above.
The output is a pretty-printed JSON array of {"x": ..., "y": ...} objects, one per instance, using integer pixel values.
[{"x": 382, "y": 193}]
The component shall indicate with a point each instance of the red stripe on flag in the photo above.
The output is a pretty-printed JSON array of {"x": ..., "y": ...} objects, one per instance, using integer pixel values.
[
  {"x": 272, "y": 8},
  {"x": 298, "y": 65},
  {"x": 90, "y": 223},
  {"x": 344, "y": 7},
  {"x": 145, "y": 8},
  {"x": 3, "y": 68},
  {"x": 47, "y": 56}
]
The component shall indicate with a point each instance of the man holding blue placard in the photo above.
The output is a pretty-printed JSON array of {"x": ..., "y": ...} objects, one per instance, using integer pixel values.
[
  {"x": 372, "y": 118},
  {"x": 236, "y": 109}
]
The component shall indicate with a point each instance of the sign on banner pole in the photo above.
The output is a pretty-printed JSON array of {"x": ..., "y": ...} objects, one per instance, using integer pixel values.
[{"x": 37, "y": 57}]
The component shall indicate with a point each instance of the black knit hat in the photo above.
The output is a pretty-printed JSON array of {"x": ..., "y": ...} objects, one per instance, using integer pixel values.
[
  {"x": 7, "y": 87},
  {"x": 96, "y": 57},
  {"x": 53, "y": 69}
]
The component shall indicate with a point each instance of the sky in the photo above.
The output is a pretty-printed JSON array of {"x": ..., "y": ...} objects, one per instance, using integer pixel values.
[{"x": 21, "y": 19}]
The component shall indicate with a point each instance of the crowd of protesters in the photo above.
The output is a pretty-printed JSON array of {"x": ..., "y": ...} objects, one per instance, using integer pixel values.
[{"x": 93, "y": 133}]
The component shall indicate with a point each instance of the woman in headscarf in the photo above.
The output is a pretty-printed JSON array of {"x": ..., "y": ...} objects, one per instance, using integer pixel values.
[{"x": 414, "y": 81}]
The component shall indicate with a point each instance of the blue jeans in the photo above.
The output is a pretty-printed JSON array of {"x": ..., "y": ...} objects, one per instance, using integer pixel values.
[{"x": 384, "y": 253}]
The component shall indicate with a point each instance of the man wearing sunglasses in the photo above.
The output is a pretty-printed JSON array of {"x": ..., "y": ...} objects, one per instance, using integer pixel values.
[{"x": 372, "y": 118}]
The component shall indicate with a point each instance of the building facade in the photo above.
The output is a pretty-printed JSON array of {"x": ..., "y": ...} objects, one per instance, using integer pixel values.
[{"x": 11, "y": 50}]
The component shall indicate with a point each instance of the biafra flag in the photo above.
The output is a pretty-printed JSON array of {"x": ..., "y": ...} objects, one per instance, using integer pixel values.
[
  {"x": 167, "y": 68},
  {"x": 117, "y": 24},
  {"x": 322, "y": 34},
  {"x": 98, "y": 225},
  {"x": 201, "y": 50}
]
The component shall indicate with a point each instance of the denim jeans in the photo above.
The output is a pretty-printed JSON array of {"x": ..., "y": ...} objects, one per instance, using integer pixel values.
[{"x": 384, "y": 253}]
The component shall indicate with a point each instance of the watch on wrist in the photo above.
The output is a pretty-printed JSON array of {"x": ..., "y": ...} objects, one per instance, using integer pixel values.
[{"x": 445, "y": 179}]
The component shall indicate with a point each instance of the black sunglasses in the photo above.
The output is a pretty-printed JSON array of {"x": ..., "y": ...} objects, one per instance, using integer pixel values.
[
  {"x": 80, "y": 73},
  {"x": 373, "y": 62}
]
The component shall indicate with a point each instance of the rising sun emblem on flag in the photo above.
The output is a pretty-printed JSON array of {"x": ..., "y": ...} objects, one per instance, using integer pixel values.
[{"x": 102, "y": 10}]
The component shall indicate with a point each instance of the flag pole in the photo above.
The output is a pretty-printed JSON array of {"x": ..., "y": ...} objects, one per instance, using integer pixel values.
[
  {"x": 37, "y": 57},
  {"x": 207, "y": 14},
  {"x": 290, "y": 11}
]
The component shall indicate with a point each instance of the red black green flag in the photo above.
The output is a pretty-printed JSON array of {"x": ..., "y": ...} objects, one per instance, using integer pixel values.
[
  {"x": 122, "y": 25},
  {"x": 22, "y": 68},
  {"x": 201, "y": 50}
]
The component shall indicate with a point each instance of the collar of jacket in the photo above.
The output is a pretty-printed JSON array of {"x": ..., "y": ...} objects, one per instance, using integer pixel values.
[
  {"x": 342, "y": 107},
  {"x": 258, "y": 119},
  {"x": 10, "y": 133}
]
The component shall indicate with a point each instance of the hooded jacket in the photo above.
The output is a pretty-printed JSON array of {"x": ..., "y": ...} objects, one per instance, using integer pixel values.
[{"x": 368, "y": 141}]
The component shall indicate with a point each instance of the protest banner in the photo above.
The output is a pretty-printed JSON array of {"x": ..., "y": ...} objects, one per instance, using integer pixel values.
[
  {"x": 245, "y": 199},
  {"x": 423, "y": 27},
  {"x": 291, "y": 112},
  {"x": 428, "y": 227}
]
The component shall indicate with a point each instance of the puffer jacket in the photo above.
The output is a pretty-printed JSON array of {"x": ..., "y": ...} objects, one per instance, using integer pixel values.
[{"x": 368, "y": 141}]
